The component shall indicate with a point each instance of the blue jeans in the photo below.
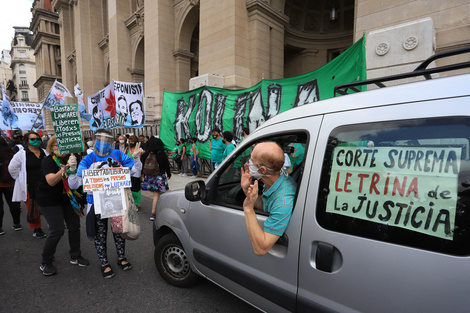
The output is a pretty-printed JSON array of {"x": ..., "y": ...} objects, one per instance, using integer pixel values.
[{"x": 194, "y": 164}]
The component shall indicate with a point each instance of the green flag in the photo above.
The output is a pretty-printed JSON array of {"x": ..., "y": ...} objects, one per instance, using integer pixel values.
[{"x": 195, "y": 113}]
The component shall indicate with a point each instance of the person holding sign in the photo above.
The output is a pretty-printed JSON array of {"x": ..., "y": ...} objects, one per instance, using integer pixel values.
[
  {"x": 59, "y": 204},
  {"x": 267, "y": 160},
  {"x": 97, "y": 227}
]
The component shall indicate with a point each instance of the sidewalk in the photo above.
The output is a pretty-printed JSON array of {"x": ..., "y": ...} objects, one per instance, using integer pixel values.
[{"x": 175, "y": 182}]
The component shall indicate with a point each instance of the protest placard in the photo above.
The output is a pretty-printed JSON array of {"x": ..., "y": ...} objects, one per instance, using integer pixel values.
[
  {"x": 106, "y": 178},
  {"x": 67, "y": 128},
  {"x": 408, "y": 187}
]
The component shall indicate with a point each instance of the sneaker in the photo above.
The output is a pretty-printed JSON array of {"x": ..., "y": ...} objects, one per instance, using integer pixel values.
[
  {"x": 184, "y": 175},
  {"x": 80, "y": 261},
  {"x": 48, "y": 269},
  {"x": 2, "y": 232},
  {"x": 152, "y": 217},
  {"x": 38, "y": 233},
  {"x": 17, "y": 227},
  {"x": 192, "y": 176}
]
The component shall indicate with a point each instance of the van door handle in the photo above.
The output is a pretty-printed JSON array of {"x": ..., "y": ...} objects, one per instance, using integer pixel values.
[
  {"x": 327, "y": 257},
  {"x": 283, "y": 240}
]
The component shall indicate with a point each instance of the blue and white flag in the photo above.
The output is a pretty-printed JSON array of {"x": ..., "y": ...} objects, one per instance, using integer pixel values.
[
  {"x": 81, "y": 104},
  {"x": 56, "y": 95}
]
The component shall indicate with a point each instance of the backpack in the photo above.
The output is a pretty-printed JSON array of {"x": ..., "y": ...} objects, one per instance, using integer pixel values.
[
  {"x": 5, "y": 176},
  {"x": 151, "y": 166}
]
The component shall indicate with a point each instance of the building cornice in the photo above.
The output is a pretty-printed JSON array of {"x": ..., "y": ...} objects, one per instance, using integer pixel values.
[
  {"x": 103, "y": 43},
  {"x": 41, "y": 37},
  {"x": 45, "y": 78},
  {"x": 258, "y": 6}
]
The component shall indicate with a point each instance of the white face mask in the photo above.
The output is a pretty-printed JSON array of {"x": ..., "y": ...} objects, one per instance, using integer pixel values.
[
  {"x": 121, "y": 141},
  {"x": 254, "y": 170},
  {"x": 90, "y": 144}
]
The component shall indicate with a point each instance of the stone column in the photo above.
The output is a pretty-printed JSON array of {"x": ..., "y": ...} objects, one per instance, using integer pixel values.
[
  {"x": 120, "y": 53},
  {"x": 266, "y": 30},
  {"x": 223, "y": 41}
]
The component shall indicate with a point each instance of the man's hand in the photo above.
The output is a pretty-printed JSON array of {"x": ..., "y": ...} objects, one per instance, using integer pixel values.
[
  {"x": 245, "y": 180},
  {"x": 251, "y": 196},
  {"x": 72, "y": 162},
  {"x": 137, "y": 151}
]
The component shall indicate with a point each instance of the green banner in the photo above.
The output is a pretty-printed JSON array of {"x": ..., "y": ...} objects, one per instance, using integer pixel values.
[
  {"x": 413, "y": 188},
  {"x": 195, "y": 113},
  {"x": 67, "y": 128}
]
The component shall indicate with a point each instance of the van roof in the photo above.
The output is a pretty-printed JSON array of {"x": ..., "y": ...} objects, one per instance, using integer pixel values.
[{"x": 447, "y": 87}]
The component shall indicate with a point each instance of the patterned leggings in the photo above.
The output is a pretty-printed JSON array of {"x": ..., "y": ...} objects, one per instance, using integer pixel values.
[{"x": 100, "y": 241}]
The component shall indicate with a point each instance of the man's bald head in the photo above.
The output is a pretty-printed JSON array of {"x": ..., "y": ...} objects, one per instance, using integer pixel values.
[{"x": 269, "y": 154}]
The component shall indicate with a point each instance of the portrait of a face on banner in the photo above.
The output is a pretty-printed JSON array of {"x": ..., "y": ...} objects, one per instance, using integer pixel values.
[{"x": 120, "y": 104}]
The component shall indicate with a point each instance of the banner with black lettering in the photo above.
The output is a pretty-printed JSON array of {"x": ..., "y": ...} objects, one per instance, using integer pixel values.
[
  {"x": 22, "y": 115},
  {"x": 120, "y": 104},
  {"x": 195, "y": 113},
  {"x": 408, "y": 187}
]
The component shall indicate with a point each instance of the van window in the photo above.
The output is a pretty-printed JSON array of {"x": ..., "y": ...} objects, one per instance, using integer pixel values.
[
  {"x": 405, "y": 182},
  {"x": 229, "y": 193}
]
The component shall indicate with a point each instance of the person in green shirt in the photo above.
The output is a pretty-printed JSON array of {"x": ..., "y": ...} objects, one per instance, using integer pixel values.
[
  {"x": 229, "y": 147},
  {"x": 193, "y": 152},
  {"x": 176, "y": 155},
  {"x": 135, "y": 181},
  {"x": 217, "y": 148}
]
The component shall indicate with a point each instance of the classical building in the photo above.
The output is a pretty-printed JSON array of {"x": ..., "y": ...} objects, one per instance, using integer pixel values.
[
  {"x": 5, "y": 70},
  {"x": 177, "y": 45},
  {"x": 46, "y": 46},
  {"x": 23, "y": 67}
]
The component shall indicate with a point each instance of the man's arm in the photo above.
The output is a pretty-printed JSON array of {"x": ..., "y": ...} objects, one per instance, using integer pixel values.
[{"x": 261, "y": 241}]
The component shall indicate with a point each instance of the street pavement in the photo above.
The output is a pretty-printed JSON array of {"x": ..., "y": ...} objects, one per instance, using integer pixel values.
[{"x": 23, "y": 288}]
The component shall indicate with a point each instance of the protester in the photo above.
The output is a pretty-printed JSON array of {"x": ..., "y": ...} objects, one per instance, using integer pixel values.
[
  {"x": 184, "y": 157},
  {"x": 267, "y": 160},
  {"x": 25, "y": 168},
  {"x": 176, "y": 156},
  {"x": 6, "y": 187},
  {"x": 194, "y": 158},
  {"x": 17, "y": 140},
  {"x": 157, "y": 183},
  {"x": 217, "y": 148},
  {"x": 59, "y": 205},
  {"x": 135, "y": 177},
  {"x": 121, "y": 145},
  {"x": 97, "y": 227},
  {"x": 229, "y": 146}
]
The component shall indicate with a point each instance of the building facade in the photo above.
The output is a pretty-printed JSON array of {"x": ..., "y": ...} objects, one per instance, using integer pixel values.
[
  {"x": 5, "y": 69},
  {"x": 23, "y": 67},
  {"x": 47, "y": 52},
  {"x": 177, "y": 45}
]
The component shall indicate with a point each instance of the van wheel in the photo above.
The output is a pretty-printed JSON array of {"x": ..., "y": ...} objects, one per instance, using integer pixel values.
[{"x": 173, "y": 263}]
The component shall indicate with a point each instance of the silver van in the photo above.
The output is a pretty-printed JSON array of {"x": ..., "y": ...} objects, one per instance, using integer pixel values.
[{"x": 381, "y": 221}]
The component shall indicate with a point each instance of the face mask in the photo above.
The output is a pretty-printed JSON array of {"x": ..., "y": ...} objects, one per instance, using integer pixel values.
[
  {"x": 254, "y": 170},
  {"x": 35, "y": 142},
  {"x": 90, "y": 144},
  {"x": 132, "y": 145},
  {"x": 214, "y": 136},
  {"x": 121, "y": 141},
  {"x": 102, "y": 147}
]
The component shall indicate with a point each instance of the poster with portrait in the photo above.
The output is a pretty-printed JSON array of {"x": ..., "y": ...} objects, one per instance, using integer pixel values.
[
  {"x": 120, "y": 104},
  {"x": 21, "y": 115},
  {"x": 100, "y": 105},
  {"x": 110, "y": 202}
]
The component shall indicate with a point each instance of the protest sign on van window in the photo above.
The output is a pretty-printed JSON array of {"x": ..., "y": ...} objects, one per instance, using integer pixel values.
[
  {"x": 67, "y": 128},
  {"x": 120, "y": 104},
  {"x": 407, "y": 187}
]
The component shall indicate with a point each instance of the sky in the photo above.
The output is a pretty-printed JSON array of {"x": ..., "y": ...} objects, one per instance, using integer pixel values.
[{"x": 14, "y": 13}]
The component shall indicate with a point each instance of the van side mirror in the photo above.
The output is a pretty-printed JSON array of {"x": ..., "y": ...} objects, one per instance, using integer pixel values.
[{"x": 195, "y": 190}]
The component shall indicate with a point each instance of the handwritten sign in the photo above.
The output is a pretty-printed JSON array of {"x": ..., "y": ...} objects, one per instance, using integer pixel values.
[
  {"x": 412, "y": 188},
  {"x": 106, "y": 178},
  {"x": 67, "y": 128}
]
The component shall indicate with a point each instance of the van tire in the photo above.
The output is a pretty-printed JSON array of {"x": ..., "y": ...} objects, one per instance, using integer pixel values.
[{"x": 173, "y": 263}]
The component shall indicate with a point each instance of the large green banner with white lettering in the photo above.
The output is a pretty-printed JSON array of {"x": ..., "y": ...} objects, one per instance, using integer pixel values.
[{"x": 195, "y": 113}]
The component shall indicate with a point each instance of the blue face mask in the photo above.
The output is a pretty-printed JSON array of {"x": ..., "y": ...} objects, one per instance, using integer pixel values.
[{"x": 102, "y": 147}]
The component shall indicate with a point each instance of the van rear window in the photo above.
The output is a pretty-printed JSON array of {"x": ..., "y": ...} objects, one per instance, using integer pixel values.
[{"x": 404, "y": 182}]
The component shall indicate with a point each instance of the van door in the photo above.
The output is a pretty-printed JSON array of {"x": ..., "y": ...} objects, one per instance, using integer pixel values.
[
  {"x": 386, "y": 227},
  {"x": 221, "y": 246}
]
